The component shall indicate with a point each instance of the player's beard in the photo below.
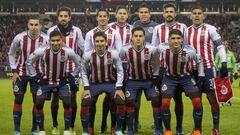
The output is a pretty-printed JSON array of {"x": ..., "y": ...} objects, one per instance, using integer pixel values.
[{"x": 169, "y": 20}]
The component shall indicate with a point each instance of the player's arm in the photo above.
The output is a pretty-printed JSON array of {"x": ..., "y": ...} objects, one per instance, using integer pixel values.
[
  {"x": 85, "y": 67},
  {"x": 37, "y": 54},
  {"x": 88, "y": 45},
  {"x": 80, "y": 42},
  {"x": 155, "y": 61},
  {"x": 197, "y": 58},
  {"x": 117, "y": 42},
  {"x": 217, "y": 61},
  {"x": 155, "y": 38},
  {"x": 120, "y": 75}
]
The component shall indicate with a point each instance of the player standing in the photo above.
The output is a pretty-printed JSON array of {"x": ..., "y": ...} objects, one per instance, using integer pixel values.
[
  {"x": 25, "y": 43},
  {"x": 72, "y": 37}
]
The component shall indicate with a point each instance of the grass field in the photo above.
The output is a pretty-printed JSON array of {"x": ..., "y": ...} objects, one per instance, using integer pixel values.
[{"x": 229, "y": 121}]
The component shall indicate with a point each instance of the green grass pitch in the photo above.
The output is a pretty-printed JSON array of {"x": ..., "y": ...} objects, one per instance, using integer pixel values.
[{"x": 229, "y": 121}]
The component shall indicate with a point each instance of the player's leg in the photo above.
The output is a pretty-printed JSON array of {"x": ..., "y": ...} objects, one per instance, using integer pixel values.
[
  {"x": 74, "y": 111},
  {"x": 85, "y": 113},
  {"x": 65, "y": 94},
  {"x": 178, "y": 110},
  {"x": 19, "y": 89},
  {"x": 120, "y": 114},
  {"x": 92, "y": 115},
  {"x": 137, "y": 109},
  {"x": 105, "y": 110},
  {"x": 54, "y": 112},
  {"x": 131, "y": 92},
  {"x": 113, "y": 109}
]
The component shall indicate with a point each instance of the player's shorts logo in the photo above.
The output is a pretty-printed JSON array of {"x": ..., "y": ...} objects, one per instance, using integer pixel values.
[
  {"x": 150, "y": 29},
  {"x": 127, "y": 93},
  {"x": 39, "y": 92},
  {"x": 15, "y": 88},
  {"x": 224, "y": 90},
  {"x": 164, "y": 87}
]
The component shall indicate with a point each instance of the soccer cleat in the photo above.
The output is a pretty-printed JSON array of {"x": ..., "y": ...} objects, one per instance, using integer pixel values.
[
  {"x": 118, "y": 133},
  {"x": 85, "y": 133},
  {"x": 55, "y": 131},
  {"x": 168, "y": 132},
  {"x": 215, "y": 132},
  {"x": 179, "y": 133},
  {"x": 34, "y": 133},
  {"x": 195, "y": 132},
  {"x": 112, "y": 131},
  {"x": 103, "y": 129},
  {"x": 66, "y": 132},
  {"x": 157, "y": 132},
  {"x": 137, "y": 126},
  {"x": 130, "y": 132},
  {"x": 42, "y": 133},
  {"x": 72, "y": 131},
  {"x": 16, "y": 133}
]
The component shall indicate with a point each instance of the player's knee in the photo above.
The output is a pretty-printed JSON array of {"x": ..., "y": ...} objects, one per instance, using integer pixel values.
[
  {"x": 39, "y": 103},
  {"x": 18, "y": 99},
  {"x": 130, "y": 104},
  {"x": 119, "y": 101},
  {"x": 197, "y": 103},
  {"x": 66, "y": 101},
  {"x": 165, "y": 103},
  {"x": 86, "y": 102}
]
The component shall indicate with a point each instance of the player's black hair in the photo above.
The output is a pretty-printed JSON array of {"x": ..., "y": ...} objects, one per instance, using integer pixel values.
[
  {"x": 144, "y": 5},
  {"x": 121, "y": 7},
  {"x": 55, "y": 33},
  {"x": 34, "y": 17},
  {"x": 100, "y": 34},
  {"x": 170, "y": 5},
  {"x": 102, "y": 10},
  {"x": 175, "y": 32},
  {"x": 197, "y": 6},
  {"x": 64, "y": 8},
  {"x": 138, "y": 28}
]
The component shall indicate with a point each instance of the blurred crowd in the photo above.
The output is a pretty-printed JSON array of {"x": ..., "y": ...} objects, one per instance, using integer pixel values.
[{"x": 12, "y": 25}]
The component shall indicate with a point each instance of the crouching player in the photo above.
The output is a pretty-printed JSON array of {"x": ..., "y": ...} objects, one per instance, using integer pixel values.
[
  {"x": 177, "y": 59},
  {"x": 55, "y": 59},
  {"x": 143, "y": 64},
  {"x": 106, "y": 76}
]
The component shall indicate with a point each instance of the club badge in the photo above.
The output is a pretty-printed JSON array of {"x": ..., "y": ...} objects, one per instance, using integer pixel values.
[
  {"x": 150, "y": 29},
  {"x": 164, "y": 87},
  {"x": 109, "y": 61},
  {"x": 62, "y": 59},
  {"x": 146, "y": 57}
]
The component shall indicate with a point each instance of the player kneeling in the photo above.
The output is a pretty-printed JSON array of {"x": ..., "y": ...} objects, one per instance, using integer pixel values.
[
  {"x": 102, "y": 61},
  {"x": 55, "y": 59},
  {"x": 177, "y": 59}
]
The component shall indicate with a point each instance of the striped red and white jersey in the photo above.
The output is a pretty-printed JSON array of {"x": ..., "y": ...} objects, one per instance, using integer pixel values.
[
  {"x": 203, "y": 39},
  {"x": 74, "y": 40},
  {"x": 104, "y": 68},
  {"x": 113, "y": 38},
  {"x": 180, "y": 64},
  {"x": 21, "y": 48},
  {"x": 142, "y": 64},
  {"x": 55, "y": 63},
  {"x": 124, "y": 31},
  {"x": 161, "y": 32}
]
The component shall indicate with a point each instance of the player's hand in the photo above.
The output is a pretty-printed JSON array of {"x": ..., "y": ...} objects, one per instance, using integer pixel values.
[
  {"x": 120, "y": 94},
  {"x": 86, "y": 94},
  {"x": 223, "y": 70},
  {"x": 15, "y": 77},
  {"x": 235, "y": 76}
]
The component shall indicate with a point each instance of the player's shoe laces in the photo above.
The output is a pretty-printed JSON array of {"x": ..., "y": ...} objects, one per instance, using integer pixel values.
[
  {"x": 72, "y": 131},
  {"x": 168, "y": 132},
  {"x": 118, "y": 133},
  {"x": 42, "y": 133},
  {"x": 34, "y": 133},
  {"x": 55, "y": 131},
  {"x": 130, "y": 132},
  {"x": 215, "y": 132},
  {"x": 66, "y": 132},
  {"x": 157, "y": 132},
  {"x": 16, "y": 133}
]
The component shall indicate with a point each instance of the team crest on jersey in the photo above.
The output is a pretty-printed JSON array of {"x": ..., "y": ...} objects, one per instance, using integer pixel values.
[
  {"x": 127, "y": 93},
  {"x": 109, "y": 36},
  {"x": 150, "y": 29},
  {"x": 146, "y": 57},
  {"x": 202, "y": 33},
  {"x": 184, "y": 59},
  {"x": 224, "y": 90},
  {"x": 71, "y": 34},
  {"x": 15, "y": 88},
  {"x": 109, "y": 61},
  {"x": 62, "y": 59},
  {"x": 39, "y": 92},
  {"x": 164, "y": 87}
]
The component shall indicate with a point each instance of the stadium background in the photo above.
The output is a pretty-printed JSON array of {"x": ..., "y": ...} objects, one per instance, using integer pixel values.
[{"x": 224, "y": 14}]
